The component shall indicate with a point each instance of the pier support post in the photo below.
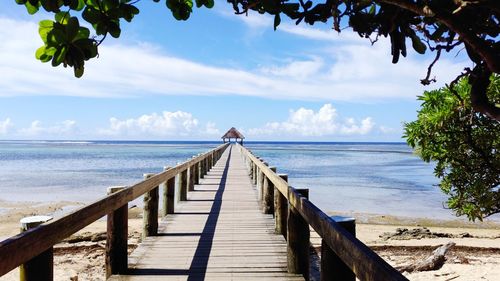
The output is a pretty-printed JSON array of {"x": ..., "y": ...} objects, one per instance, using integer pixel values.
[
  {"x": 297, "y": 236},
  {"x": 268, "y": 201},
  {"x": 202, "y": 168},
  {"x": 197, "y": 172},
  {"x": 280, "y": 209},
  {"x": 150, "y": 211},
  {"x": 168, "y": 195},
  {"x": 260, "y": 184},
  {"x": 40, "y": 267},
  {"x": 255, "y": 172},
  {"x": 332, "y": 267},
  {"x": 191, "y": 178},
  {"x": 116, "y": 238},
  {"x": 183, "y": 185}
]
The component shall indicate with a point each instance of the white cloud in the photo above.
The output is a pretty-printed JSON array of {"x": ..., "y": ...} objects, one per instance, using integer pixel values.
[
  {"x": 350, "y": 127},
  {"x": 63, "y": 129},
  {"x": 351, "y": 70},
  {"x": 178, "y": 124},
  {"x": 5, "y": 126},
  {"x": 211, "y": 129},
  {"x": 387, "y": 130},
  {"x": 309, "y": 123}
]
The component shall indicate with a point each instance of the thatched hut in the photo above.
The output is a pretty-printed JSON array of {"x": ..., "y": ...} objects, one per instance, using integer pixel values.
[{"x": 233, "y": 134}]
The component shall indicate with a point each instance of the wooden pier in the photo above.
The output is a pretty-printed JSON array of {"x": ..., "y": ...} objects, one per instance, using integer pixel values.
[{"x": 226, "y": 216}]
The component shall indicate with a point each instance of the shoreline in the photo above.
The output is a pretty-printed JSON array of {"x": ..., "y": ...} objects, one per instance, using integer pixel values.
[{"x": 475, "y": 256}]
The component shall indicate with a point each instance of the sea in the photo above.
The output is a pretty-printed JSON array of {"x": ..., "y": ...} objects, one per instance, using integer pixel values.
[{"x": 343, "y": 177}]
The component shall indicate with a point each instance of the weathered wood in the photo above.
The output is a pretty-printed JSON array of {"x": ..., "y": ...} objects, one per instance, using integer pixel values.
[
  {"x": 332, "y": 266},
  {"x": 433, "y": 262},
  {"x": 280, "y": 209},
  {"x": 197, "y": 172},
  {"x": 168, "y": 197},
  {"x": 40, "y": 267},
  {"x": 268, "y": 200},
  {"x": 202, "y": 168},
  {"x": 150, "y": 211},
  {"x": 116, "y": 261},
  {"x": 260, "y": 185},
  {"x": 63, "y": 227},
  {"x": 298, "y": 238},
  {"x": 365, "y": 263},
  {"x": 191, "y": 178},
  {"x": 183, "y": 185}
]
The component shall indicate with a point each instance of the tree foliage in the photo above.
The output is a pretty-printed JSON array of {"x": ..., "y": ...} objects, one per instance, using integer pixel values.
[{"x": 465, "y": 144}]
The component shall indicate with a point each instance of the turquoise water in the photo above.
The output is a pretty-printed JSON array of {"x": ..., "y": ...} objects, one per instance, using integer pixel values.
[{"x": 378, "y": 178}]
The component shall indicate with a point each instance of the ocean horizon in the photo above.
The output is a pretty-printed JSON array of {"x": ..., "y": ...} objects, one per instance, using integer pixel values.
[{"x": 382, "y": 178}]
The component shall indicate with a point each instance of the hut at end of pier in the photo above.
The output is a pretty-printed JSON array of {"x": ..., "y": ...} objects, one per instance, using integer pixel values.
[{"x": 233, "y": 134}]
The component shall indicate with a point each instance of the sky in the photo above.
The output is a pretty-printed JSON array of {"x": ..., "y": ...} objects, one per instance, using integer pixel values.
[{"x": 170, "y": 80}]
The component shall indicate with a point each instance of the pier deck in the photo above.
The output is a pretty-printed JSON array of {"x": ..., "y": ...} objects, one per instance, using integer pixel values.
[{"x": 219, "y": 233}]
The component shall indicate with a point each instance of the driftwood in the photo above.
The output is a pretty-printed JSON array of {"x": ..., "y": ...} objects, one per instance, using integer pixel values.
[{"x": 433, "y": 262}]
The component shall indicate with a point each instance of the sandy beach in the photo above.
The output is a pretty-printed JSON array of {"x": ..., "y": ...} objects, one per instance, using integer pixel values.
[{"x": 476, "y": 255}]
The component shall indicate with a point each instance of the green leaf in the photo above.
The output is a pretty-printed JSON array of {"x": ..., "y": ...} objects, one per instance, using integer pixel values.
[
  {"x": 114, "y": 29},
  {"x": 417, "y": 44},
  {"x": 277, "y": 20},
  {"x": 21, "y": 2},
  {"x": 31, "y": 9},
  {"x": 91, "y": 15},
  {"x": 39, "y": 52},
  {"x": 56, "y": 37},
  {"x": 46, "y": 24},
  {"x": 72, "y": 28},
  {"x": 83, "y": 33},
  {"x": 78, "y": 71},
  {"x": 62, "y": 17},
  {"x": 59, "y": 56},
  {"x": 209, "y": 4},
  {"x": 110, "y": 4}
]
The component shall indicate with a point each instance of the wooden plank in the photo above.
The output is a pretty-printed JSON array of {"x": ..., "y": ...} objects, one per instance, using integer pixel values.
[{"x": 219, "y": 233}]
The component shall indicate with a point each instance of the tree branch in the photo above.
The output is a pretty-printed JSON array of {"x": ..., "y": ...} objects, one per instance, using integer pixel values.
[{"x": 488, "y": 54}]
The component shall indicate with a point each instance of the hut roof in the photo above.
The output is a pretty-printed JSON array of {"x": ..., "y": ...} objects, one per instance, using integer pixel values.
[{"x": 233, "y": 133}]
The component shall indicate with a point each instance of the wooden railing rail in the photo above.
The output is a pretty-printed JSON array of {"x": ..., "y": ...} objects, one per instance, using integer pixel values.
[
  {"x": 351, "y": 252},
  {"x": 25, "y": 246}
]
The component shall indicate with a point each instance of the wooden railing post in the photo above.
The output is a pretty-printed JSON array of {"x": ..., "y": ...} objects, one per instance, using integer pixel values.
[
  {"x": 280, "y": 209},
  {"x": 168, "y": 195},
  {"x": 268, "y": 196},
  {"x": 262, "y": 179},
  {"x": 183, "y": 185},
  {"x": 202, "y": 168},
  {"x": 297, "y": 238},
  {"x": 191, "y": 178},
  {"x": 150, "y": 211},
  {"x": 40, "y": 267},
  {"x": 116, "y": 238},
  {"x": 332, "y": 267},
  {"x": 197, "y": 172},
  {"x": 255, "y": 172},
  {"x": 250, "y": 168}
]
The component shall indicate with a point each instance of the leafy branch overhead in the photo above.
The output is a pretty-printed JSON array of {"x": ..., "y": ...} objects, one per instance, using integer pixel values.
[{"x": 428, "y": 25}]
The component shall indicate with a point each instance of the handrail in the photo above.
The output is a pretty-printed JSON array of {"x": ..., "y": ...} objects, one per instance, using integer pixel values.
[
  {"x": 361, "y": 260},
  {"x": 13, "y": 251}
]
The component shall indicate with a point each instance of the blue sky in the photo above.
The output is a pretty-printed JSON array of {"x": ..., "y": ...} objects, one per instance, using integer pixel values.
[{"x": 170, "y": 80}]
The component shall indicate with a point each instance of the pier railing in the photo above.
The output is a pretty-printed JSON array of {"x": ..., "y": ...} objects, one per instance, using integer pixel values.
[
  {"x": 33, "y": 248},
  {"x": 343, "y": 256}
]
